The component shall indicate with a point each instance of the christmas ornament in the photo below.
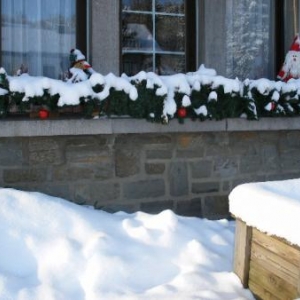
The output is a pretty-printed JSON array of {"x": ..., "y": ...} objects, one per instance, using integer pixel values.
[
  {"x": 291, "y": 65},
  {"x": 80, "y": 69},
  {"x": 43, "y": 114},
  {"x": 270, "y": 106},
  {"x": 181, "y": 112}
]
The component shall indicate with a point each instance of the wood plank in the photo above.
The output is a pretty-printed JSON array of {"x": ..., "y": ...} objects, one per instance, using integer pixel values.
[
  {"x": 275, "y": 264},
  {"x": 261, "y": 293},
  {"x": 242, "y": 249},
  {"x": 271, "y": 282},
  {"x": 289, "y": 252}
]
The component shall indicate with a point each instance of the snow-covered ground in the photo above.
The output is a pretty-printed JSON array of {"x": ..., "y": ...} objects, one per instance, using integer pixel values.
[{"x": 51, "y": 249}]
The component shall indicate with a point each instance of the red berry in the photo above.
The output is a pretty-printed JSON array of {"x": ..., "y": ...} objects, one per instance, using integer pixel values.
[
  {"x": 181, "y": 112},
  {"x": 43, "y": 113}
]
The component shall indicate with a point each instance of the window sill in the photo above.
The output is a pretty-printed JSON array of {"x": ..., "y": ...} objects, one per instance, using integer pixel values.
[{"x": 31, "y": 128}]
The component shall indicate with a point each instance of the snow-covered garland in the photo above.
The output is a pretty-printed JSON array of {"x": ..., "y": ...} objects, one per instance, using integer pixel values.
[{"x": 198, "y": 95}]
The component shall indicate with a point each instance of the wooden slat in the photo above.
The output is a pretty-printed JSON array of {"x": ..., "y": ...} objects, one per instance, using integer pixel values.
[
  {"x": 275, "y": 264},
  {"x": 260, "y": 292},
  {"x": 275, "y": 245},
  {"x": 242, "y": 251},
  {"x": 270, "y": 282}
]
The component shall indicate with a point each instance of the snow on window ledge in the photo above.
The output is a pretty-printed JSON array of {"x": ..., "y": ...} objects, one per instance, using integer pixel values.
[{"x": 272, "y": 207}]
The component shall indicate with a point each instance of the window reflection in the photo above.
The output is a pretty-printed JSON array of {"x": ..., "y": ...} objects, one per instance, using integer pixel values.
[
  {"x": 153, "y": 36},
  {"x": 138, "y": 5},
  {"x": 137, "y": 32},
  {"x": 38, "y": 34},
  {"x": 170, "y": 6},
  {"x": 170, "y": 33}
]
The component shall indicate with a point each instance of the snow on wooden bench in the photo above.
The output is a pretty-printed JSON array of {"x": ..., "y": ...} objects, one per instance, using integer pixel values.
[{"x": 267, "y": 241}]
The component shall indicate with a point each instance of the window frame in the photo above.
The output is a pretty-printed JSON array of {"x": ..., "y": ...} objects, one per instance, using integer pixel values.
[{"x": 190, "y": 36}]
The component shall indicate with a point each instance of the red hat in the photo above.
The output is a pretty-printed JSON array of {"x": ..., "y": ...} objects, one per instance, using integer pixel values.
[{"x": 296, "y": 44}]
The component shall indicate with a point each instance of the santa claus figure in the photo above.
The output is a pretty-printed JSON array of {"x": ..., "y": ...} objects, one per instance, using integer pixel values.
[{"x": 291, "y": 66}]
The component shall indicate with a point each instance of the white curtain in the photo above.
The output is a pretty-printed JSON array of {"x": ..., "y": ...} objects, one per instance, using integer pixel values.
[
  {"x": 249, "y": 48},
  {"x": 38, "y": 34}
]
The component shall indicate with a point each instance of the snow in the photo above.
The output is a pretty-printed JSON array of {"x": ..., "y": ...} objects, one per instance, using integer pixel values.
[
  {"x": 272, "y": 207},
  {"x": 80, "y": 88},
  {"x": 52, "y": 249}
]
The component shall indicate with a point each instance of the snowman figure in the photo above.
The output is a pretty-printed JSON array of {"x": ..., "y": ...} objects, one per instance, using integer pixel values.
[
  {"x": 291, "y": 65},
  {"x": 80, "y": 69}
]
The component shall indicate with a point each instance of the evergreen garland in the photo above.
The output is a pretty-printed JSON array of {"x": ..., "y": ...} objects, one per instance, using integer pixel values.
[{"x": 205, "y": 101}]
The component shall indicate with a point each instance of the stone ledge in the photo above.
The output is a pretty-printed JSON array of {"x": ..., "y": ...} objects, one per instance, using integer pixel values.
[{"x": 27, "y": 128}]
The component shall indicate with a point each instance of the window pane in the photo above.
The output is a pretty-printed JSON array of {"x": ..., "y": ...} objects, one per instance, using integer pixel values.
[
  {"x": 138, "y": 5},
  {"x": 38, "y": 34},
  {"x": 291, "y": 22},
  {"x": 170, "y": 33},
  {"x": 137, "y": 32},
  {"x": 134, "y": 63},
  {"x": 153, "y": 40},
  {"x": 170, "y": 6},
  {"x": 170, "y": 64},
  {"x": 248, "y": 39}
]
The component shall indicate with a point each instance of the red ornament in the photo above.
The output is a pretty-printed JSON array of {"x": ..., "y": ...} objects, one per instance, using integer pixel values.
[
  {"x": 181, "y": 112},
  {"x": 43, "y": 113},
  {"x": 273, "y": 106}
]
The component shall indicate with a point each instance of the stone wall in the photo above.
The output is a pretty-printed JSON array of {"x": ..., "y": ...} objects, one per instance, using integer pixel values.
[{"x": 190, "y": 173}]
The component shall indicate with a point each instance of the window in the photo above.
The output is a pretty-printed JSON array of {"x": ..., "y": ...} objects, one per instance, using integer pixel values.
[
  {"x": 39, "y": 34},
  {"x": 249, "y": 39},
  {"x": 154, "y": 36},
  {"x": 287, "y": 26}
]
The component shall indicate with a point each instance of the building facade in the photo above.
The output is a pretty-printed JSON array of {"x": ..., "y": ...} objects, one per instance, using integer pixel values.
[
  {"x": 128, "y": 164},
  {"x": 245, "y": 39}
]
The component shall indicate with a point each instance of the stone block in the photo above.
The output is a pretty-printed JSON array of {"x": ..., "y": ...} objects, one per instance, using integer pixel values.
[
  {"x": 53, "y": 157},
  {"x": 141, "y": 140},
  {"x": 155, "y": 207},
  {"x": 226, "y": 166},
  {"x": 250, "y": 164},
  {"x": 226, "y": 186},
  {"x": 24, "y": 175},
  {"x": 11, "y": 152},
  {"x": 289, "y": 160},
  {"x": 127, "y": 162},
  {"x": 103, "y": 192},
  {"x": 36, "y": 144},
  {"x": 201, "y": 169},
  {"x": 178, "y": 179},
  {"x": 87, "y": 141},
  {"x": 190, "y": 140},
  {"x": 72, "y": 173},
  {"x": 117, "y": 207},
  {"x": 155, "y": 168},
  {"x": 191, "y": 208},
  {"x": 144, "y": 189},
  {"x": 82, "y": 194},
  {"x": 104, "y": 171},
  {"x": 215, "y": 207},
  {"x": 159, "y": 154},
  {"x": 190, "y": 153},
  {"x": 87, "y": 155},
  {"x": 205, "y": 187},
  {"x": 55, "y": 189},
  {"x": 270, "y": 157}
]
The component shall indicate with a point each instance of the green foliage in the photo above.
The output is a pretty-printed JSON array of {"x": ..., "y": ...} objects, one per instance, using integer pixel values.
[
  {"x": 115, "y": 104},
  {"x": 207, "y": 101},
  {"x": 147, "y": 105}
]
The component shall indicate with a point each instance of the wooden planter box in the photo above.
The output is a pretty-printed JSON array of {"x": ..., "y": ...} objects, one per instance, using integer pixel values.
[{"x": 269, "y": 266}]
